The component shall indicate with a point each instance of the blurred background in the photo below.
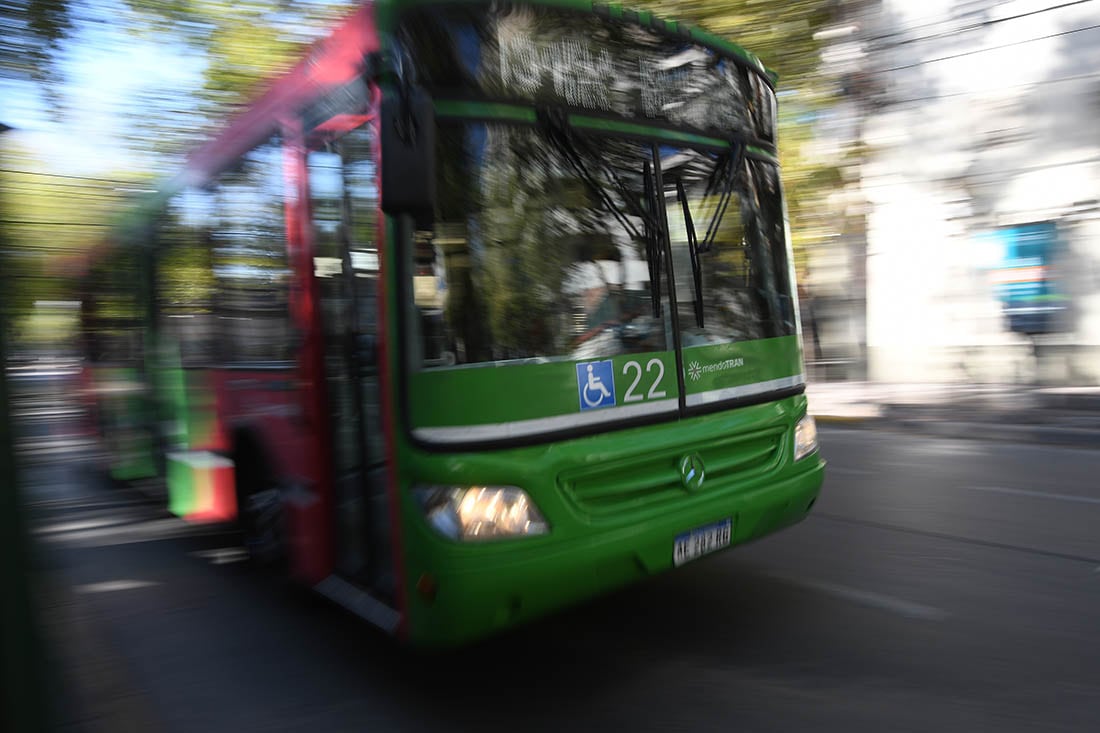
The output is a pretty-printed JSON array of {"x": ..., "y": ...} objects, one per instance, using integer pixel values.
[
  {"x": 942, "y": 167},
  {"x": 939, "y": 157}
]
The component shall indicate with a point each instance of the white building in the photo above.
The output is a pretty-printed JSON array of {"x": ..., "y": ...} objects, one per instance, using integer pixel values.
[{"x": 984, "y": 116}]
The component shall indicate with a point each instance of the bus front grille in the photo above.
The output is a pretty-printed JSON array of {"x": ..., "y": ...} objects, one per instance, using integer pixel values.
[{"x": 637, "y": 483}]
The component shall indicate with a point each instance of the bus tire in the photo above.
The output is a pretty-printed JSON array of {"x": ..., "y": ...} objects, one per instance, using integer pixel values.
[{"x": 259, "y": 505}]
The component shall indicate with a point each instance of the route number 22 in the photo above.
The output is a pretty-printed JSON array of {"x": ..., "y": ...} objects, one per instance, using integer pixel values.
[{"x": 636, "y": 367}]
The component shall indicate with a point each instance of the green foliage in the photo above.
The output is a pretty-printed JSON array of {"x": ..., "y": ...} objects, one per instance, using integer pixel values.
[
  {"x": 30, "y": 33},
  {"x": 49, "y": 223},
  {"x": 185, "y": 274},
  {"x": 245, "y": 42}
]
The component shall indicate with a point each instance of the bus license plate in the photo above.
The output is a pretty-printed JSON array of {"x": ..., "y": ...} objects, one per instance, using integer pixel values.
[{"x": 701, "y": 541}]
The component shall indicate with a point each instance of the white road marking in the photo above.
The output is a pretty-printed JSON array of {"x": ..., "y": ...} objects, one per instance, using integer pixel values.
[
  {"x": 1036, "y": 494},
  {"x": 899, "y": 606},
  {"x": 83, "y": 524},
  {"x": 125, "y": 534},
  {"x": 113, "y": 585},
  {"x": 222, "y": 555}
]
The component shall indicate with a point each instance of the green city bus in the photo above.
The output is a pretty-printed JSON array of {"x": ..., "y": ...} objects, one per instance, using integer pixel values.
[{"x": 481, "y": 310}]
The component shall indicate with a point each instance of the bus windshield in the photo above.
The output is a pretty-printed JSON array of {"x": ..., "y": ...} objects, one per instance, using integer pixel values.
[
  {"x": 528, "y": 261},
  {"x": 532, "y": 262}
]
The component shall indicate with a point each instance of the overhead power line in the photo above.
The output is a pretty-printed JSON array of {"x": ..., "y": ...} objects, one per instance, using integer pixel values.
[
  {"x": 993, "y": 90},
  {"x": 971, "y": 27},
  {"x": 986, "y": 49}
]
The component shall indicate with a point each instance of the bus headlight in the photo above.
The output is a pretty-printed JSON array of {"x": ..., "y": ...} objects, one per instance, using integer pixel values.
[
  {"x": 480, "y": 512},
  {"x": 805, "y": 437}
]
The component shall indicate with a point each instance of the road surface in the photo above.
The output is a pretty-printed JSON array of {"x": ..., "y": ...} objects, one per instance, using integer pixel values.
[{"x": 938, "y": 585}]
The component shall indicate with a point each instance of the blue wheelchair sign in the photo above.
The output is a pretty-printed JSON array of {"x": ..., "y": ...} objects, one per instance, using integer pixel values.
[{"x": 596, "y": 384}]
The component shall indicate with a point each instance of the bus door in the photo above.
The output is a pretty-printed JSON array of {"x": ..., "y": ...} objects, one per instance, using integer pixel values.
[{"x": 344, "y": 204}]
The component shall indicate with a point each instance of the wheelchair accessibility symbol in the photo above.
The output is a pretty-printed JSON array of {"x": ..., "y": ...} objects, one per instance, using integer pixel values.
[{"x": 596, "y": 384}]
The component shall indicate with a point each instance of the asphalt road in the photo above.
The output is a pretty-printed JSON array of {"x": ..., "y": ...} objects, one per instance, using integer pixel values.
[{"x": 940, "y": 585}]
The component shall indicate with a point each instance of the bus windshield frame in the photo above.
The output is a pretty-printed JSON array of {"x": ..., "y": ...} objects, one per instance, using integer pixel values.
[
  {"x": 659, "y": 371},
  {"x": 511, "y": 66}
]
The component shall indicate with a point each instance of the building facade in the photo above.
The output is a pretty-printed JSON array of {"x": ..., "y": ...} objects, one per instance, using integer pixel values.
[{"x": 981, "y": 180}]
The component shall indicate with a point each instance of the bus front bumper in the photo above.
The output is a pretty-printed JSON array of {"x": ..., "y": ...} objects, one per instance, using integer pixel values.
[{"x": 473, "y": 595}]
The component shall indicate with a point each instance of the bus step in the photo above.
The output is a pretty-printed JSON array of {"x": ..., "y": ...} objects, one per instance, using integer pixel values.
[{"x": 359, "y": 602}]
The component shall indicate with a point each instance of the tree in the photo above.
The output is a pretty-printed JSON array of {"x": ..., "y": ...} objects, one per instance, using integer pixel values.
[
  {"x": 30, "y": 32},
  {"x": 245, "y": 42},
  {"x": 47, "y": 220},
  {"x": 47, "y": 217}
]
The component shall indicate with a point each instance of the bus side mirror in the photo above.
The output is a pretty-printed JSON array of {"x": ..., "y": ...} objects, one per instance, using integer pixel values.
[{"x": 408, "y": 154}]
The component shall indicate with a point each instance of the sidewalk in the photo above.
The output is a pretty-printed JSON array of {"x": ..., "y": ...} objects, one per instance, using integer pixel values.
[{"x": 1061, "y": 415}]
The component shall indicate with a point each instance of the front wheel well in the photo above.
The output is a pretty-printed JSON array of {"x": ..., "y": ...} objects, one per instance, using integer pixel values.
[
  {"x": 251, "y": 464},
  {"x": 259, "y": 504}
]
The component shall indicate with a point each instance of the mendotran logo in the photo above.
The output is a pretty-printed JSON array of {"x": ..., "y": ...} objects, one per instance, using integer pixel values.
[{"x": 696, "y": 370}]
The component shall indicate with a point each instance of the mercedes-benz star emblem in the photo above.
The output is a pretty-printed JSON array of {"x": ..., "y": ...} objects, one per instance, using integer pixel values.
[{"x": 692, "y": 472}]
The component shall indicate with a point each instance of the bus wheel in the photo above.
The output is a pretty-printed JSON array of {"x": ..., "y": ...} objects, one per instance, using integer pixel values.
[
  {"x": 259, "y": 508},
  {"x": 262, "y": 526}
]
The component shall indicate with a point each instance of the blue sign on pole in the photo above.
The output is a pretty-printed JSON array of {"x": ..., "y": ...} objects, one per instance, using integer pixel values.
[
  {"x": 1022, "y": 276},
  {"x": 596, "y": 384}
]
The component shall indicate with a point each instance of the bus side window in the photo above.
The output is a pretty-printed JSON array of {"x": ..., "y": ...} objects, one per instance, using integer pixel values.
[
  {"x": 343, "y": 209},
  {"x": 344, "y": 202},
  {"x": 249, "y": 255},
  {"x": 185, "y": 278},
  {"x": 361, "y": 195}
]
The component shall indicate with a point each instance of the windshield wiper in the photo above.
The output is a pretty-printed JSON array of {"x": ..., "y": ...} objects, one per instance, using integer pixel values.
[
  {"x": 652, "y": 248},
  {"x": 559, "y": 132},
  {"x": 693, "y": 251},
  {"x": 726, "y": 177}
]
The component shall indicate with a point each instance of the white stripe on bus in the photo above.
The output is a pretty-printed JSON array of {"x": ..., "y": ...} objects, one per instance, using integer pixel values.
[
  {"x": 536, "y": 426},
  {"x": 746, "y": 390}
]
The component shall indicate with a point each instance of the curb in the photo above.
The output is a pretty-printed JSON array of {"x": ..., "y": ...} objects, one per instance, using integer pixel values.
[
  {"x": 1078, "y": 400},
  {"x": 1044, "y": 434},
  {"x": 843, "y": 419}
]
